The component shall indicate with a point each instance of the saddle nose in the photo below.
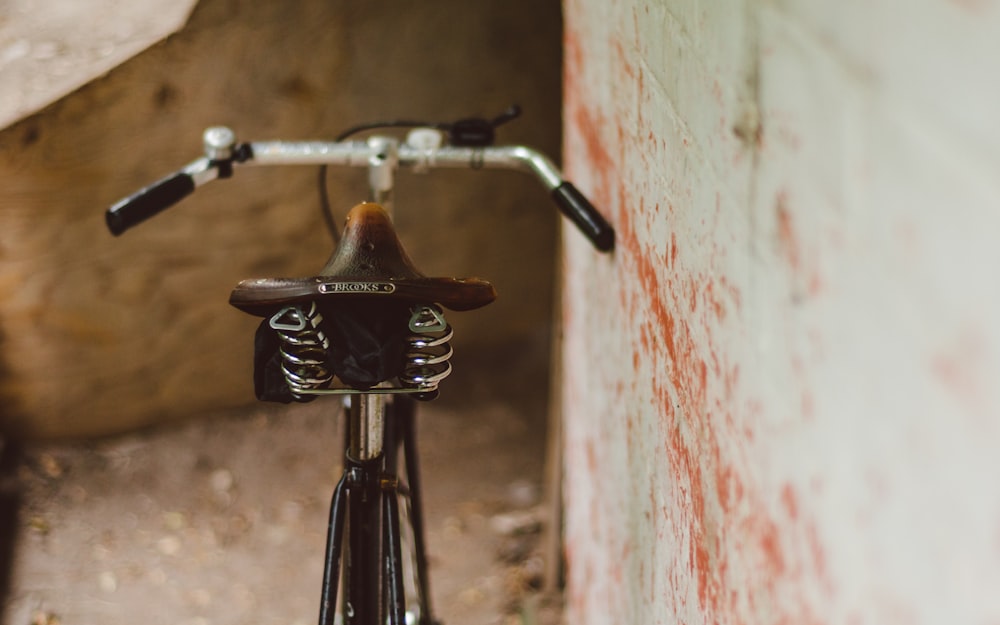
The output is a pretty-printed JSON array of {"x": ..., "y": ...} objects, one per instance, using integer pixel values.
[
  {"x": 370, "y": 248},
  {"x": 370, "y": 260}
]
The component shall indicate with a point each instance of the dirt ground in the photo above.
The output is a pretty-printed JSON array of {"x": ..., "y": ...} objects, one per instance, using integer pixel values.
[{"x": 222, "y": 520}]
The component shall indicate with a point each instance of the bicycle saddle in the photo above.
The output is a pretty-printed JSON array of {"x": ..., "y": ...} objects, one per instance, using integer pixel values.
[{"x": 369, "y": 261}]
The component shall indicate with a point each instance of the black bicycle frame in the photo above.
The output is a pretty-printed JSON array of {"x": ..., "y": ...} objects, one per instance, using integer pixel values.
[{"x": 365, "y": 518}]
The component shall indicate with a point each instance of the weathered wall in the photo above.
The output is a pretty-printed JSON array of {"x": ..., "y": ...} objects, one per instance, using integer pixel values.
[
  {"x": 781, "y": 398},
  {"x": 48, "y": 48},
  {"x": 101, "y": 335}
]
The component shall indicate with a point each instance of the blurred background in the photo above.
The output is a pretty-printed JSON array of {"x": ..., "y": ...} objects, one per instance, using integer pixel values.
[
  {"x": 101, "y": 335},
  {"x": 126, "y": 402}
]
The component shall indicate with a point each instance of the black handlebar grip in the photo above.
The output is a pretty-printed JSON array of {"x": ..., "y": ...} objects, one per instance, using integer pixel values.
[
  {"x": 581, "y": 212},
  {"x": 149, "y": 201}
]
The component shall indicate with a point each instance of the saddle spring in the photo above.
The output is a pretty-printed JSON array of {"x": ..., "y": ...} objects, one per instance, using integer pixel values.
[
  {"x": 303, "y": 349},
  {"x": 428, "y": 350}
]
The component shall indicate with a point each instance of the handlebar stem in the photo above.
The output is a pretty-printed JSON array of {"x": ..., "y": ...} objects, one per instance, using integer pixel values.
[{"x": 382, "y": 166}]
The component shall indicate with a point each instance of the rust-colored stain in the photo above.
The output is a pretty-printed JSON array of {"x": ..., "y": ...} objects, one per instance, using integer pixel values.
[
  {"x": 973, "y": 6},
  {"x": 588, "y": 125},
  {"x": 786, "y": 232},
  {"x": 957, "y": 368},
  {"x": 789, "y": 501},
  {"x": 668, "y": 299},
  {"x": 678, "y": 306},
  {"x": 808, "y": 280},
  {"x": 774, "y": 559}
]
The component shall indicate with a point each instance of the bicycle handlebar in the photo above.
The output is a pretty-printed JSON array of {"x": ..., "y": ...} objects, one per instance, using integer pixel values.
[
  {"x": 155, "y": 198},
  {"x": 584, "y": 216},
  {"x": 222, "y": 154}
]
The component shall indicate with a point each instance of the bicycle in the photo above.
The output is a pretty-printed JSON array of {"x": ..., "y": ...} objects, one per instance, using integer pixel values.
[{"x": 370, "y": 328}]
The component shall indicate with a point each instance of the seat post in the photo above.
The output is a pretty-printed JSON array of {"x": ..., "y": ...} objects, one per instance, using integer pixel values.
[
  {"x": 366, "y": 426},
  {"x": 382, "y": 171}
]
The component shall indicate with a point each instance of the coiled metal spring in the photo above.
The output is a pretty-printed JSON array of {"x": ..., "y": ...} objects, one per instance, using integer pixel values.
[
  {"x": 428, "y": 350},
  {"x": 303, "y": 349}
]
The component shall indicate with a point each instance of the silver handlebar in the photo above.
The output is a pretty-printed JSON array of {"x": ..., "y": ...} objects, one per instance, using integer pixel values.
[
  {"x": 424, "y": 149},
  {"x": 361, "y": 153}
]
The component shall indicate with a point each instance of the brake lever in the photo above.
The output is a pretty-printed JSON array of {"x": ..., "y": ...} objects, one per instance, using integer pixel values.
[{"x": 478, "y": 132}]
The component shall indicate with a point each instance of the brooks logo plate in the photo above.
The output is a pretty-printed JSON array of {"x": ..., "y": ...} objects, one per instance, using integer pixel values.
[{"x": 357, "y": 287}]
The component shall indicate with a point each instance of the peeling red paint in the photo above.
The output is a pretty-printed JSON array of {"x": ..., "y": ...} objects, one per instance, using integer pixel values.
[
  {"x": 808, "y": 277},
  {"x": 816, "y": 284},
  {"x": 973, "y": 6},
  {"x": 687, "y": 373},
  {"x": 770, "y": 545},
  {"x": 808, "y": 405},
  {"x": 588, "y": 127},
  {"x": 957, "y": 368},
  {"x": 789, "y": 501},
  {"x": 714, "y": 303},
  {"x": 786, "y": 232},
  {"x": 818, "y": 558},
  {"x": 729, "y": 489},
  {"x": 712, "y": 520}
]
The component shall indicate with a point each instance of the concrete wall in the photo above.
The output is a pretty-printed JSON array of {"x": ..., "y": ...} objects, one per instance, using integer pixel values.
[
  {"x": 780, "y": 394},
  {"x": 101, "y": 335}
]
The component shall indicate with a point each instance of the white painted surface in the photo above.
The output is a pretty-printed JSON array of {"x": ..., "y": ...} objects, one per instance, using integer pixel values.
[{"x": 781, "y": 396}]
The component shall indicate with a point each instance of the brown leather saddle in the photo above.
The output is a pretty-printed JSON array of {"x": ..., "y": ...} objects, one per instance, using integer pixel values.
[{"x": 369, "y": 261}]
